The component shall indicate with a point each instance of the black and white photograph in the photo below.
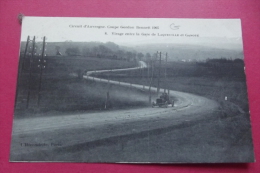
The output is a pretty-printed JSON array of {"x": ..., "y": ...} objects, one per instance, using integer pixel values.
[{"x": 131, "y": 90}]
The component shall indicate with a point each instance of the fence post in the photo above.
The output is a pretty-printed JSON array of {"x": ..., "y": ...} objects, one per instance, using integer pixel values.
[{"x": 107, "y": 100}]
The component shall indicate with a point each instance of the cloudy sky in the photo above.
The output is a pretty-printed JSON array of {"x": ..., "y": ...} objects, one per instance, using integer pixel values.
[{"x": 224, "y": 33}]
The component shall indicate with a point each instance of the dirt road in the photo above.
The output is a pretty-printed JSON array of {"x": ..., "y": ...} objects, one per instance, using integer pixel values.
[{"x": 39, "y": 138}]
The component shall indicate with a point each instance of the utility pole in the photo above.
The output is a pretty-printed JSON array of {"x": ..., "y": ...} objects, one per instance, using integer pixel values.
[
  {"x": 107, "y": 102},
  {"x": 22, "y": 60},
  {"x": 159, "y": 74},
  {"x": 30, "y": 74},
  {"x": 142, "y": 73},
  {"x": 148, "y": 68},
  {"x": 165, "y": 71},
  {"x": 20, "y": 67},
  {"x": 151, "y": 81},
  {"x": 42, "y": 66}
]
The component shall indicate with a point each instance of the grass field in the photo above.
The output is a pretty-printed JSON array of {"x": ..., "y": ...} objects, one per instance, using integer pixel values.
[
  {"x": 63, "y": 91},
  {"x": 224, "y": 135},
  {"x": 89, "y": 95},
  {"x": 57, "y": 66},
  {"x": 225, "y": 84}
]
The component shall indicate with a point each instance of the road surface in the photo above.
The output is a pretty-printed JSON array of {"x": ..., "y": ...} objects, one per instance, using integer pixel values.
[{"x": 76, "y": 130}]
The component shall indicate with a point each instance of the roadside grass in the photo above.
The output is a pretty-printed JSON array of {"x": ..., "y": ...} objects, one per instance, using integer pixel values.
[
  {"x": 56, "y": 66},
  {"x": 74, "y": 94},
  {"x": 231, "y": 95},
  {"x": 63, "y": 91},
  {"x": 208, "y": 138},
  {"x": 224, "y": 135},
  {"x": 225, "y": 84},
  {"x": 71, "y": 94},
  {"x": 221, "y": 142},
  {"x": 69, "y": 64}
]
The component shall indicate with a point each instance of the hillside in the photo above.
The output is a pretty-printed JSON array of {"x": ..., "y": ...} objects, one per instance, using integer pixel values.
[{"x": 176, "y": 52}]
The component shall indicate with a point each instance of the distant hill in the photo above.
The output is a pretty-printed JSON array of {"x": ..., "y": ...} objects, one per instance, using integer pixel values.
[
  {"x": 191, "y": 52},
  {"x": 175, "y": 51},
  {"x": 51, "y": 47}
]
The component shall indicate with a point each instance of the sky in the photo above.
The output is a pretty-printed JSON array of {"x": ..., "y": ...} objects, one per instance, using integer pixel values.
[{"x": 224, "y": 33}]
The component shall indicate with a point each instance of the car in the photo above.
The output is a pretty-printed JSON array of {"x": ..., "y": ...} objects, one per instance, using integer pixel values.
[{"x": 163, "y": 101}]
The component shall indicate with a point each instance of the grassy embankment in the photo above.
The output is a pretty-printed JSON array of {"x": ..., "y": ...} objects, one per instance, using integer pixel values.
[
  {"x": 224, "y": 136},
  {"x": 224, "y": 83},
  {"x": 62, "y": 90}
]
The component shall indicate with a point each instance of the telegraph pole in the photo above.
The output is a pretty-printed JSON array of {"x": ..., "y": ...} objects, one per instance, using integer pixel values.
[
  {"x": 159, "y": 74},
  {"x": 151, "y": 81},
  {"x": 42, "y": 66},
  {"x": 165, "y": 72},
  {"x": 26, "y": 47},
  {"x": 20, "y": 67},
  {"x": 107, "y": 102},
  {"x": 148, "y": 68},
  {"x": 30, "y": 74},
  {"x": 142, "y": 73}
]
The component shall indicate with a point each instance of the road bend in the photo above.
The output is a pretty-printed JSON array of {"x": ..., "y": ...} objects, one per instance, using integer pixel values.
[{"x": 81, "y": 128}]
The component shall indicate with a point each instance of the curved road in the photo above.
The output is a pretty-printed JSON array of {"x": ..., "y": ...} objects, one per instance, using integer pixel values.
[{"x": 81, "y": 128}]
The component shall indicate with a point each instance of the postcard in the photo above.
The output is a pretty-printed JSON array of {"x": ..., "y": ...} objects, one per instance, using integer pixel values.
[{"x": 131, "y": 90}]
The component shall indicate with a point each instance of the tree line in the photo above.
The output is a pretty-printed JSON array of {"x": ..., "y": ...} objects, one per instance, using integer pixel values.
[{"x": 103, "y": 51}]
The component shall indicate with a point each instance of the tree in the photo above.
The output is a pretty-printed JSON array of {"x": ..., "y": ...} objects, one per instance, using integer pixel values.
[
  {"x": 148, "y": 56},
  {"x": 154, "y": 57},
  {"x": 104, "y": 50},
  {"x": 120, "y": 54},
  {"x": 57, "y": 50},
  {"x": 129, "y": 56},
  {"x": 86, "y": 51},
  {"x": 140, "y": 56},
  {"x": 238, "y": 61},
  {"x": 95, "y": 51},
  {"x": 134, "y": 54},
  {"x": 72, "y": 51},
  {"x": 112, "y": 46}
]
